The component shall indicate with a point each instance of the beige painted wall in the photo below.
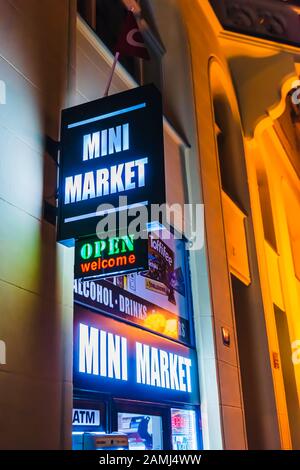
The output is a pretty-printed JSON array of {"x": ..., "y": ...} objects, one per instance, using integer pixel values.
[{"x": 35, "y": 272}]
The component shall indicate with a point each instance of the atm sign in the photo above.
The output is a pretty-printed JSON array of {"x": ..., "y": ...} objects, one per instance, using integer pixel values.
[
  {"x": 115, "y": 255},
  {"x": 86, "y": 417}
]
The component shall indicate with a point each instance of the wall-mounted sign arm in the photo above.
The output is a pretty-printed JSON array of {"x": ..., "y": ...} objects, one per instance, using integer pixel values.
[{"x": 52, "y": 148}]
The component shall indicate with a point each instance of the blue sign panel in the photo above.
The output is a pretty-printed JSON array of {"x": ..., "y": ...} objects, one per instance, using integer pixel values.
[
  {"x": 110, "y": 147},
  {"x": 128, "y": 362}
]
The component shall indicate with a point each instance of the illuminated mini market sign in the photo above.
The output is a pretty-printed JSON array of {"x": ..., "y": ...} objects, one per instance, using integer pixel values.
[
  {"x": 131, "y": 361},
  {"x": 110, "y": 256},
  {"x": 110, "y": 147}
]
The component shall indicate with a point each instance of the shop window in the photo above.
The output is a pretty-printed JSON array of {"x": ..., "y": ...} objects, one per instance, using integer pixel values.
[
  {"x": 287, "y": 127},
  {"x": 184, "y": 432},
  {"x": 151, "y": 70},
  {"x": 106, "y": 18},
  {"x": 292, "y": 207},
  {"x": 228, "y": 150},
  {"x": 110, "y": 16},
  {"x": 288, "y": 373},
  {"x": 250, "y": 357},
  {"x": 266, "y": 207},
  {"x": 87, "y": 9},
  {"x": 295, "y": 244}
]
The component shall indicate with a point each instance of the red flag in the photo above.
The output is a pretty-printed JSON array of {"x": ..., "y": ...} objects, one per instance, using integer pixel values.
[{"x": 131, "y": 42}]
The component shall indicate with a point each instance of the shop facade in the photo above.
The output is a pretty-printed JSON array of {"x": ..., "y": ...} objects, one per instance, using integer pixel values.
[
  {"x": 135, "y": 363},
  {"x": 147, "y": 390}
]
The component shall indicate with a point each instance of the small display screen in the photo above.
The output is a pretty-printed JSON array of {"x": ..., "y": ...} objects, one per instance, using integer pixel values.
[{"x": 144, "y": 432}]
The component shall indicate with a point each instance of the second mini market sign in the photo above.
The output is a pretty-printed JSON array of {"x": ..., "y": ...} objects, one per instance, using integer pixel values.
[{"x": 110, "y": 147}]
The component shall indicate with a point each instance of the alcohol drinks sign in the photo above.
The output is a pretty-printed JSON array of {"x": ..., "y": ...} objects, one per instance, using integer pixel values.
[
  {"x": 105, "y": 297},
  {"x": 110, "y": 147}
]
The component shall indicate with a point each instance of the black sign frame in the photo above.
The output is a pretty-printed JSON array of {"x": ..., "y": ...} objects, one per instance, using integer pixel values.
[{"x": 140, "y": 109}]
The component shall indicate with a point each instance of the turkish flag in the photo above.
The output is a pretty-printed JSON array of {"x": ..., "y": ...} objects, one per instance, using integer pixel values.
[{"x": 131, "y": 42}]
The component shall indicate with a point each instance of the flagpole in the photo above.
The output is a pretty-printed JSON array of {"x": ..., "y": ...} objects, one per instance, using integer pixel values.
[{"x": 117, "y": 55}]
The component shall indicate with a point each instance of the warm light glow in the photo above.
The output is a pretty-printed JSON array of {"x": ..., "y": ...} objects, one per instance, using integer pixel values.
[{"x": 159, "y": 323}]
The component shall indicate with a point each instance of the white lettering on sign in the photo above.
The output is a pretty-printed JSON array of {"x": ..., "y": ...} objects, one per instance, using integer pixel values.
[
  {"x": 161, "y": 369},
  {"x": 2, "y": 353},
  {"x": 104, "y": 296},
  {"x": 102, "y": 353},
  {"x": 105, "y": 354},
  {"x": 93, "y": 291},
  {"x": 106, "y": 142},
  {"x": 160, "y": 247},
  {"x": 105, "y": 181},
  {"x": 86, "y": 417}
]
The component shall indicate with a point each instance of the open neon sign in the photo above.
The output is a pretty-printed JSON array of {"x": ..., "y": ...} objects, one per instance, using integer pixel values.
[{"x": 115, "y": 255}]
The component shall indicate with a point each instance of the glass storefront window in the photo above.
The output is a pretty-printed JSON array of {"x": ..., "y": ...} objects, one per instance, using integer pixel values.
[
  {"x": 144, "y": 432},
  {"x": 184, "y": 433}
]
